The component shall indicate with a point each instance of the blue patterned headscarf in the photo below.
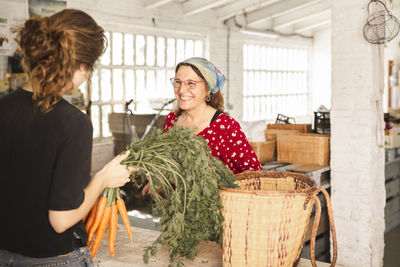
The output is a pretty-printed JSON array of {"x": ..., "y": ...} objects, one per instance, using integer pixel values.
[{"x": 214, "y": 77}]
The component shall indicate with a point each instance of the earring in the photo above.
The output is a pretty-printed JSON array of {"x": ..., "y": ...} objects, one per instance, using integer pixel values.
[{"x": 208, "y": 98}]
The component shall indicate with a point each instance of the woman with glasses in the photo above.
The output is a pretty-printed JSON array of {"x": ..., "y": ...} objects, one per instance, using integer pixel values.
[{"x": 197, "y": 86}]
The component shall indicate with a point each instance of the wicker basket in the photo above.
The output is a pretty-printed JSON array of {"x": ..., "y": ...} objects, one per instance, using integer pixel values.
[
  {"x": 265, "y": 151},
  {"x": 265, "y": 221},
  {"x": 303, "y": 149}
]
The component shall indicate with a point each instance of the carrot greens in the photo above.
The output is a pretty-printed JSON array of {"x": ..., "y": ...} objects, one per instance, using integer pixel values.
[{"x": 184, "y": 178}]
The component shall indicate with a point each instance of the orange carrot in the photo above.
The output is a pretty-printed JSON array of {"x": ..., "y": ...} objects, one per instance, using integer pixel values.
[
  {"x": 124, "y": 216},
  {"x": 101, "y": 230},
  {"x": 99, "y": 214},
  {"x": 90, "y": 220},
  {"x": 112, "y": 229}
]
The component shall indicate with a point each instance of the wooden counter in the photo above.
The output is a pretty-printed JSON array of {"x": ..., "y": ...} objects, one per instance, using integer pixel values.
[{"x": 131, "y": 254}]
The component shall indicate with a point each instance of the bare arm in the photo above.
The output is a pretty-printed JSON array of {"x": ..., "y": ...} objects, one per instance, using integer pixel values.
[{"x": 112, "y": 175}]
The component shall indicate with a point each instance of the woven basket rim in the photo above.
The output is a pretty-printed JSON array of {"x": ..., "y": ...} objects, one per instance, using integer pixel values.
[{"x": 273, "y": 174}]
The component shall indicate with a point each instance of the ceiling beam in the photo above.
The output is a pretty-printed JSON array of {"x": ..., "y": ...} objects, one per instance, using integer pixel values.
[
  {"x": 238, "y": 6},
  {"x": 155, "y": 3},
  {"x": 278, "y": 9},
  {"x": 301, "y": 15},
  {"x": 315, "y": 22},
  {"x": 196, "y": 6}
]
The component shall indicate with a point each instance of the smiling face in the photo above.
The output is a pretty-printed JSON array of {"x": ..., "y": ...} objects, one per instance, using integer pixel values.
[{"x": 189, "y": 99}]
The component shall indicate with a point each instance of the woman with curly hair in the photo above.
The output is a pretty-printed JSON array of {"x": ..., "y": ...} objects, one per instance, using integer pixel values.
[{"x": 45, "y": 146}]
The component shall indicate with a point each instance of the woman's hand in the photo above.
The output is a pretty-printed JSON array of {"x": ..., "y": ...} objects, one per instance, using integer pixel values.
[{"x": 114, "y": 174}]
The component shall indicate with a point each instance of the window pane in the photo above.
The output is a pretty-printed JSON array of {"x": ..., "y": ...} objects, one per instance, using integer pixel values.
[
  {"x": 198, "y": 48},
  {"x": 116, "y": 48},
  {"x": 151, "y": 84},
  {"x": 245, "y": 58},
  {"x": 105, "y": 110},
  {"x": 150, "y": 51},
  {"x": 129, "y": 85},
  {"x": 189, "y": 49},
  {"x": 161, "y": 88},
  {"x": 140, "y": 89},
  {"x": 128, "y": 49},
  {"x": 170, "y": 52},
  {"x": 95, "y": 86},
  {"x": 95, "y": 120},
  {"x": 245, "y": 84},
  {"x": 257, "y": 54},
  {"x": 279, "y": 59},
  {"x": 119, "y": 108},
  {"x": 105, "y": 58},
  {"x": 250, "y": 77},
  {"x": 161, "y": 51},
  {"x": 257, "y": 83},
  {"x": 170, "y": 89},
  {"x": 250, "y": 57},
  {"x": 105, "y": 85},
  {"x": 118, "y": 87},
  {"x": 263, "y": 57},
  {"x": 180, "y": 50},
  {"x": 140, "y": 43}
]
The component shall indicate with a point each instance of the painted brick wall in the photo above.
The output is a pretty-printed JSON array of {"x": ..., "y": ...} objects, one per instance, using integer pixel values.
[{"x": 357, "y": 161}]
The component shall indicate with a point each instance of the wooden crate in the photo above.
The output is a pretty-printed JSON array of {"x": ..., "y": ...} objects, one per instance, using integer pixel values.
[
  {"x": 301, "y": 128},
  {"x": 265, "y": 151},
  {"x": 392, "y": 206},
  {"x": 392, "y": 187},
  {"x": 271, "y": 134},
  {"x": 392, "y": 221},
  {"x": 303, "y": 149}
]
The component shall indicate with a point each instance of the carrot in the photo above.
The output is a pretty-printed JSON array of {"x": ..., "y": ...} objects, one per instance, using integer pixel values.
[
  {"x": 112, "y": 229},
  {"x": 101, "y": 230},
  {"x": 124, "y": 216},
  {"x": 99, "y": 214},
  {"x": 90, "y": 219}
]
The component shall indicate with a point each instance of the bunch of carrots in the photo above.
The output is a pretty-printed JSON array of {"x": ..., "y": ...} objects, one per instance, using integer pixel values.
[{"x": 105, "y": 213}]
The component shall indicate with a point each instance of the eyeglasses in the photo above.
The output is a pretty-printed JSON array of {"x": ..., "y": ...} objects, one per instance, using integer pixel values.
[{"x": 176, "y": 83}]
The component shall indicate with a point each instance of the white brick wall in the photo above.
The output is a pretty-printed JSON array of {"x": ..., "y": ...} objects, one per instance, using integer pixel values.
[
  {"x": 357, "y": 163},
  {"x": 358, "y": 193}
]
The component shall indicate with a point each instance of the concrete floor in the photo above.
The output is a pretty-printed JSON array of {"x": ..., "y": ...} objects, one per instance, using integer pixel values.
[{"x": 392, "y": 248}]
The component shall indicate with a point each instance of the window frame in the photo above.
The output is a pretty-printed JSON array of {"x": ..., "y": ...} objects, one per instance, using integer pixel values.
[
  {"x": 302, "y": 45},
  {"x": 135, "y": 31}
]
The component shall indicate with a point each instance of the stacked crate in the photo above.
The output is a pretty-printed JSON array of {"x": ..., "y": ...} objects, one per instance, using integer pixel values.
[{"x": 392, "y": 184}]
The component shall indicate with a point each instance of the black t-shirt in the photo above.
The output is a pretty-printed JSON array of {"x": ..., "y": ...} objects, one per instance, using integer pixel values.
[{"x": 44, "y": 164}]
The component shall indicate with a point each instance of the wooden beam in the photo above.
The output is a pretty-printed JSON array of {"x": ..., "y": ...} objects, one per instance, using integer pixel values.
[
  {"x": 238, "y": 6},
  {"x": 313, "y": 23},
  {"x": 302, "y": 15},
  {"x": 155, "y": 3},
  {"x": 196, "y": 6},
  {"x": 277, "y": 9}
]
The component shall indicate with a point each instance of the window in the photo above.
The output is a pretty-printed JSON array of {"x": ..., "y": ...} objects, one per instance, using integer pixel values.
[
  {"x": 275, "y": 80},
  {"x": 138, "y": 67}
]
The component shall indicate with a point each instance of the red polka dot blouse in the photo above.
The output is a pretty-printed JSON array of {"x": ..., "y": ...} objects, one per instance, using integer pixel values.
[{"x": 227, "y": 142}]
